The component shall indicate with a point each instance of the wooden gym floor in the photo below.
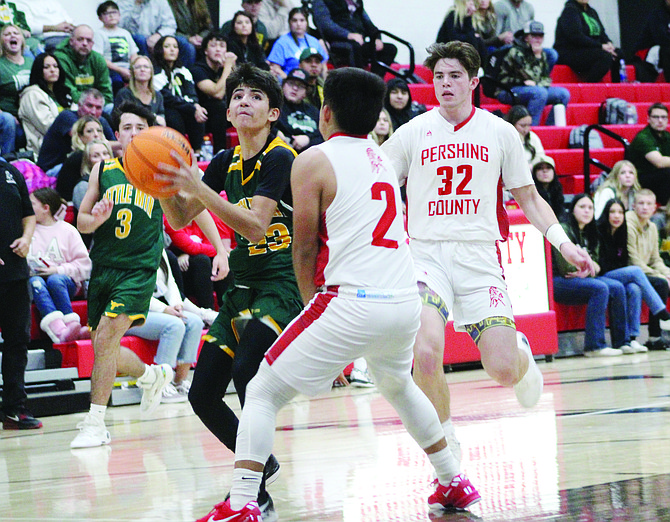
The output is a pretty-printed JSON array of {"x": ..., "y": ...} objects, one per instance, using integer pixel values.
[{"x": 596, "y": 448}]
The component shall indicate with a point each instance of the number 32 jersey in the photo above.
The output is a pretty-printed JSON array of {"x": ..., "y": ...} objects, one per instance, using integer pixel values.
[
  {"x": 455, "y": 175},
  {"x": 362, "y": 237}
]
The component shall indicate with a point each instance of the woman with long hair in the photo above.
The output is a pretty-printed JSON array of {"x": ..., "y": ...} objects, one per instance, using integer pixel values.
[
  {"x": 614, "y": 265},
  {"x": 621, "y": 183},
  {"x": 384, "y": 128},
  {"x": 457, "y": 25},
  {"x": 94, "y": 152},
  {"x": 43, "y": 99},
  {"x": 519, "y": 116},
  {"x": 244, "y": 43},
  {"x": 175, "y": 83},
  {"x": 398, "y": 103},
  {"x": 548, "y": 185},
  {"x": 285, "y": 53},
  {"x": 485, "y": 23},
  {"x": 140, "y": 88}
]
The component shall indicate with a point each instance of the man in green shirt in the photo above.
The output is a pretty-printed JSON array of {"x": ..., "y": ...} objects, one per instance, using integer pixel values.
[
  {"x": 83, "y": 67},
  {"x": 650, "y": 153}
]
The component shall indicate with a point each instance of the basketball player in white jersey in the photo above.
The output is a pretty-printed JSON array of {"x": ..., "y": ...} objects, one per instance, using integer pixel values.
[
  {"x": 454, "y": 160},
  {"x": 356, "y": 277}
]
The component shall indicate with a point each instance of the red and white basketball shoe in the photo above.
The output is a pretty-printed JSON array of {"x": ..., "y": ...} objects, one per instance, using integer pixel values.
[
  {"x": 224, "y": 513},
  {"x": 458, "y": 494}
]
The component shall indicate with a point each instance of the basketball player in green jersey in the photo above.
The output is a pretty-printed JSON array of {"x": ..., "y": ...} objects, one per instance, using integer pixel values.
[
  {"x": 128, "y": 241},
  {"x": 265, "y": 297}
]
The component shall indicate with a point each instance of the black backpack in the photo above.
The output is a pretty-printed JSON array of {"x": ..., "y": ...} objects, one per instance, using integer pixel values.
[{"x": 492, "y": 66}]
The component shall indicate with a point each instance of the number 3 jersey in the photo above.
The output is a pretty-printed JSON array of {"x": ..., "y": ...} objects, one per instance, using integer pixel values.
[
  {"x": 455, "y": 175},
  {"x": 133, "y": 235},
  {"x": 267, "y": 174},
  {"x": 362, "y": 238}
]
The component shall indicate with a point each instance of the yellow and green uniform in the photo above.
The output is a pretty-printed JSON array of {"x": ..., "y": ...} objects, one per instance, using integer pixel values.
[{"x": 126, "y": 249}]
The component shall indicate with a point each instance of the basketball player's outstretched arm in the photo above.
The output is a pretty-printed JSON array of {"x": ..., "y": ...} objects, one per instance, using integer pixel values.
[{"x": 540, "y": 214}]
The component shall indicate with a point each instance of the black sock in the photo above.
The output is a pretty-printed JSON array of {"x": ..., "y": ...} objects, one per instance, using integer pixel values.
[{"x": 663, "y": 315}]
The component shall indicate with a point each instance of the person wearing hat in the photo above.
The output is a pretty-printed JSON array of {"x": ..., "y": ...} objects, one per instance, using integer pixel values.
[
  {"x": 548, "y": 185},
  {"x": 298, "y": 123},
  {"x": 312, "y": 62},
  {"x": 285, "y": 53},
  {"x": 526, "y": 72},
  {"x": 583, "y": 44}
]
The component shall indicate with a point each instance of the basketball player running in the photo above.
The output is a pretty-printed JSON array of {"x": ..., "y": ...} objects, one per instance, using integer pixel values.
[
  {"x": 128, "y": 242},
  {"x": 454, "y": 160},
  {"x": 265, "y": 297},
  {"x": 355, "y": 275}
]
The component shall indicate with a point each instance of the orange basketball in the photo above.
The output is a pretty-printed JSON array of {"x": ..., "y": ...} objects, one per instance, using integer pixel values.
[{"x": 149, "y": 148}]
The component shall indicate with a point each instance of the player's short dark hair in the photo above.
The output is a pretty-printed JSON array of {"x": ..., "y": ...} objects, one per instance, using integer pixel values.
[
  {"x": 106, "y": 5},
  {"x": 464, "y": 52},
  {"x": 356, "y": 98},
  {"x": 213, "y": 35},
  {"x": 657, "y": 105},
  {"x": 247, "y": 75},
  {"x": 132, "y": 107}
]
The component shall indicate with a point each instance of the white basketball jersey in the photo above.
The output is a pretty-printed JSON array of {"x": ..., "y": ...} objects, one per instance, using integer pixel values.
[
  {"x": 455, "y": 175},
  {"x": 363, "y": 240}
]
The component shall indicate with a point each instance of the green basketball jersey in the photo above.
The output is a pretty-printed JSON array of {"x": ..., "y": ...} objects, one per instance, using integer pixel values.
[
  {"x": 133, "y": 236},
  {"x": 271, "y": 258}
]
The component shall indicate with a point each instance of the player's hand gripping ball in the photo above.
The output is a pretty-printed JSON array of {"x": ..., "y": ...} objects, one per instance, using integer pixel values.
[{"x": 149, "y": 148}]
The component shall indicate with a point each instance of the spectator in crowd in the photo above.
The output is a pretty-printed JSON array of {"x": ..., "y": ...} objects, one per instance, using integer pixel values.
[
  {"x": 141, "y": 90},
  {"x": 150, "y": 20},
  {"x": 252, "y": 8},
  {"x": 583, "y": 44},
  {"x": 10, "y": 14},
  {"x": 398, "y": 103},
  {"x": 243, "y": 41},
  {"x": 175, "y": 83},
  {"x": 274, "y": 15},
  {"x": 95, "y": 151},
  {"x": 177, "y": 330},
  {"x": 43, "y": 99},
  {"x": 621, "y": 184},
  {"x": 83, "y": 67},
  {"x": 347, "y": 27},
  {"x": 519, "y": 116},
  {"x": 59, "y": 265},
  {"x": 18, "y": 224},
  {"x": 643, "y": 251},
  {"x": 485, "y": 23},
  {"x": 194, "y": 255},
  {"x": 114, "y": 43},
  {"x": 311, "y": 61},
  {"x": 57, "y": 141},
  {"x": 457, "y": 25},
  {"x": 512, "y": 15},
  {"x": 597, "y": 291},
  {"x": 526, "y": 72},
  {"x": 210, "y": 75},
  {"x": 48, "y": 21},
  {"x": 384, "y": 129},
  {"x": 655, "y": 33},
  {"x": 286, "y": 52},
  {"x": 548, "y": 184},
  {"x": 14, "y": 76},
  {"x": 86, "y": 129},
  {"x": 298, "y": 121},
  {"x": 614, "y": 264},
  {"x": 193, "y": 21},
  {"x": 650, "y": 152}
]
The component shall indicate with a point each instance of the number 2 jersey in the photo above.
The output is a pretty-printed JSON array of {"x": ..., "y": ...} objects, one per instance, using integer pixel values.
[
  {"x": 362, "y": 237},
  {"x": 133, "y": 235},
  {"x": 455, "y": 175},
  {"x": 267, "y": 174}
]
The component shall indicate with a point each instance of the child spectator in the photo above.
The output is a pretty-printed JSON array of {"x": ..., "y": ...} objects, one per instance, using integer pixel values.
[
  {"x": 175, "y": 83},
  {"x": 59, "y": 264},
  {"x": 621, "y": 183},
  {"x": 44, "y": 98},
  {"x": 548, "y": 185},
  {"x": 519, "y": 116},
  {"x": 383, "y": 130},
  {"x": 115, "y": 44},
  {"x": 94, "y": 152},
  {"x": 141, "y": 88},
  {"x": 614, "y": 265}
]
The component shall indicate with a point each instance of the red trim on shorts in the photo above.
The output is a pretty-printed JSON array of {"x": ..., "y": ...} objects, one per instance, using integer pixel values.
[
  {"x": 306, "y": 318},
  {"x": 362, "y": 136},
  {"x": 502, "y": 270},
  {"x": 324, "y": 253},
  {"x": 501, "y": 213},
  {"x": 465, "y": 121}
]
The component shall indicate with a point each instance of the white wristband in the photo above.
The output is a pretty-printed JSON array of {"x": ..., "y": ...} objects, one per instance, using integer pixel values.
[{"x": 556, "y": 236}]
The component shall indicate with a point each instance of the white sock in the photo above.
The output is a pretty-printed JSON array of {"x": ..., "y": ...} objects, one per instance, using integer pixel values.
[
  {"x": 245, "y": 487},
  {"x": 148, "y": 376},
  {"x": 98, "y": 412},
  {"x": 445, "y": 464},
  {"x": 449, "y": 429}
]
